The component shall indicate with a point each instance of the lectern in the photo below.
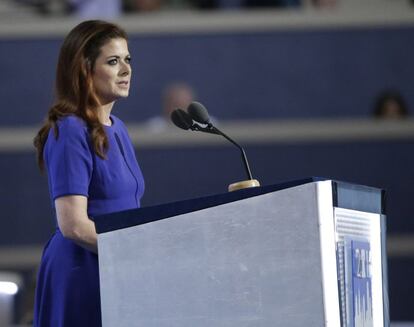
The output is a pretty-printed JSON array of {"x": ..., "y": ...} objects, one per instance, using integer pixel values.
[{"x": 303, "y": 253}]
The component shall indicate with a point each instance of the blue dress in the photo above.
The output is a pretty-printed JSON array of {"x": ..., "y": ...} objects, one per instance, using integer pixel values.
[{"x": 67, "y": 292}]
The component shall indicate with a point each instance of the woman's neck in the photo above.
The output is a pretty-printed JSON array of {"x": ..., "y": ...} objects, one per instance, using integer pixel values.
[{"x": 105, "y": 113}]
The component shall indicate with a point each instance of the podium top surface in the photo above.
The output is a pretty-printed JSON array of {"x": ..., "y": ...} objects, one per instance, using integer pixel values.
[{"x": 369, "y": 199}]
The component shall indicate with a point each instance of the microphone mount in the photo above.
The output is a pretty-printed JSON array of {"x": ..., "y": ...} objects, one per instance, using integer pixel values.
[{"x": 197, "y": 119}]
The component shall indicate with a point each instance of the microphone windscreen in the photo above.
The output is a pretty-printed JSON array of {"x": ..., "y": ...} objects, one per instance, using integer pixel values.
[
  {"x": 198, "y": 112},
  {"x": 181, "y": 119}
]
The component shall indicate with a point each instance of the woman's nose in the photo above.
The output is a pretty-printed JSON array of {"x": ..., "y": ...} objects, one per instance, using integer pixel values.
[{"x": 125, "y": 69}]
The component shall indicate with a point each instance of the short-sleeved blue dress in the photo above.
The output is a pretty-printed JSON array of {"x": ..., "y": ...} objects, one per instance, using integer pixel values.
[{"x": 67, "y": 292}]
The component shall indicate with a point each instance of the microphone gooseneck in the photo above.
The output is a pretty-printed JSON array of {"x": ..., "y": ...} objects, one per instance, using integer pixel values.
[
  {"x": 243, "y": 153},
  {"x": 200, "y": 114}
]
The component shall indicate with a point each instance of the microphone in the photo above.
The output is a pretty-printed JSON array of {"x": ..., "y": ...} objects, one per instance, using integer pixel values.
[
  {"x": 197, "y": 112},
  {"x": 183, "y": 120}
]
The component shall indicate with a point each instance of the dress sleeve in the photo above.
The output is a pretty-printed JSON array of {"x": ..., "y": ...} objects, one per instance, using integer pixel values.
[{"x": 69, "y": 159}]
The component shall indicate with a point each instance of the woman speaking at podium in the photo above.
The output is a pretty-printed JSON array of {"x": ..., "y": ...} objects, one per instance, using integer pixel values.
[{"x": 91, "y": 169}]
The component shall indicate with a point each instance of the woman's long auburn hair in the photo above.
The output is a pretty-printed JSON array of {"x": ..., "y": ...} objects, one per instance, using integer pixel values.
[{"x": 75, "y": 93}]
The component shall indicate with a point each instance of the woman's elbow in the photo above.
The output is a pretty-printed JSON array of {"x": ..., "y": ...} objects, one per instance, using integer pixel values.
[{"x": 70, "y": 231}]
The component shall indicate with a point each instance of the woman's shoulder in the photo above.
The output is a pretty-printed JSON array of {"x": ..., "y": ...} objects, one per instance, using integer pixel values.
[
  {"x": 117, "y": 122},
  {"x": 71, "y": 127},
  {"x": 118, "y": 125},
  {"x": 72, "y": 123}
]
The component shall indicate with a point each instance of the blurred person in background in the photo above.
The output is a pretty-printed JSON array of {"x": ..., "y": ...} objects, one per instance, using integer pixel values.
[
  {"x": 272, "y": 3},
  {"x": 47, "y": 7},
  {"x": 175, "y": 95},
  {"x": 324, "y": 3},
  {"x": 91, "y": 168},
  {"x": 205, "y": 4},
  {"x": 212, "y": 4},
  {"x": 390, "y": 104},
  {"x": 142, "y": 5},
  {"x": 103, "y": 9}
]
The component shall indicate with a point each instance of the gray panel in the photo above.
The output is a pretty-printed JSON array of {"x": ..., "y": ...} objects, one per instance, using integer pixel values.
[
  {"x": 254, "y": 262},
  {"x": 358, "y": 197}
]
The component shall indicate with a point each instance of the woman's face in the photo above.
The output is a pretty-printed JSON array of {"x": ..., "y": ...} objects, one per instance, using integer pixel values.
[{"x": 112, "y": 71}]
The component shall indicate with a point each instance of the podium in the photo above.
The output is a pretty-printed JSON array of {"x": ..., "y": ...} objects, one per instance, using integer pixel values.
[{"x": 302, "y": 253}]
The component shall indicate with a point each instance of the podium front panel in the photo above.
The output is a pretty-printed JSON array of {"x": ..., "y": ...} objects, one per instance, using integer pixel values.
[{"x": 253, "y": 262}]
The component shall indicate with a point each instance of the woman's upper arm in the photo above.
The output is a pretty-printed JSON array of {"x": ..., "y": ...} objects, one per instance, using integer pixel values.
[
  {"x": 69, "y": 159},
  {"x": 71, "y": 211}
]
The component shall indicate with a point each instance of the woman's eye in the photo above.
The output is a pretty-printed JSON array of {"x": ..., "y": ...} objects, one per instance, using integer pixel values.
[
  {"x": 113, "y": 61},
  {"x": 128, "y": 60}
]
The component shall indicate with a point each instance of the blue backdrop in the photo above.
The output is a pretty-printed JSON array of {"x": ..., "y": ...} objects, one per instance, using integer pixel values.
[{"x": 279, "y": 74}]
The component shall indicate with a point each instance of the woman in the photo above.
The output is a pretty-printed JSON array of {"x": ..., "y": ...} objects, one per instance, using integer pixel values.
[{"x": 91, "y": 167}]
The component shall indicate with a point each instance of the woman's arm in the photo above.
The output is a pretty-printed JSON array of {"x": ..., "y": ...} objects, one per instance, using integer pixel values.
[{"x": 74, "y": 223}]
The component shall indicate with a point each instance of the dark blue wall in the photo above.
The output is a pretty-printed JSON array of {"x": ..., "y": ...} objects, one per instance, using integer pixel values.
[{"x": 280, "y": 74}]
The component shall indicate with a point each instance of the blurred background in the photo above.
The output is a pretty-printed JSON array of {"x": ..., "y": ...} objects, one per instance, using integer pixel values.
[{"x": 309, "y": 87}]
